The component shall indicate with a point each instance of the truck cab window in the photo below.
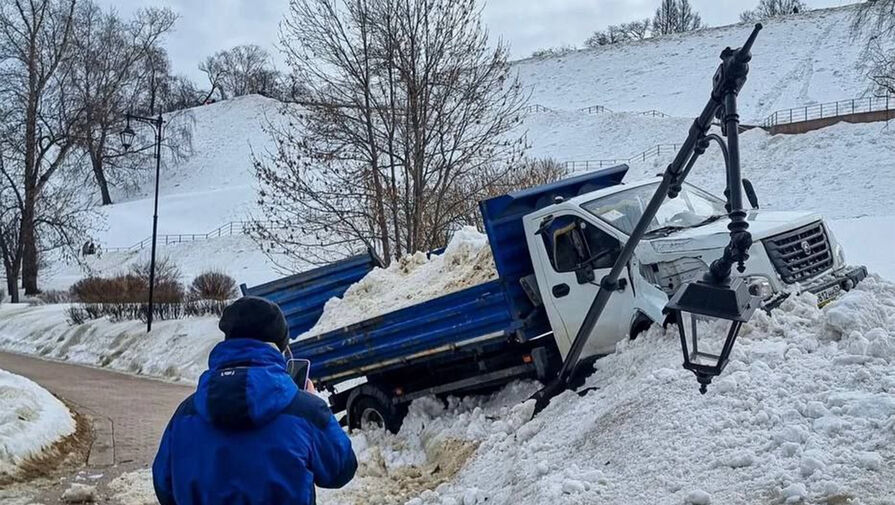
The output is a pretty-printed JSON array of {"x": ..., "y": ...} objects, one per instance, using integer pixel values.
[{"x": 570, "y": 241}]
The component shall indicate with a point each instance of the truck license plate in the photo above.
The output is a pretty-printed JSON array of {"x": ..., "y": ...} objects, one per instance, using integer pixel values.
[{"x": 828, "y": 295}]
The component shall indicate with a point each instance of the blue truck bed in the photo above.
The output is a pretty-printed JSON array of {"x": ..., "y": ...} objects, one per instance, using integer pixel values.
[{"x": 498, "y": 310}]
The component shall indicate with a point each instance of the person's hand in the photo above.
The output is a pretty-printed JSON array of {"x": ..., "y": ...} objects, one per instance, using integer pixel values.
[{"x": 309, "y": 387}]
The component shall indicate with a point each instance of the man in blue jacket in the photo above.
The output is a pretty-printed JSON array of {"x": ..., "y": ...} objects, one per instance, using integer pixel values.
[{"x": 249, "y": 436}]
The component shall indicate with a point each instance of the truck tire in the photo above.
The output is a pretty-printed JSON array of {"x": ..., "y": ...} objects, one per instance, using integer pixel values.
[
  {"x": 641, "y": 324},
  {"x": 370, "y": 405}
]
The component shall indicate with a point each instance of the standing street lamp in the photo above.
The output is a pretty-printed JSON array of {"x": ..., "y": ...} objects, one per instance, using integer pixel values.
[{"x": 127, "y": 139}]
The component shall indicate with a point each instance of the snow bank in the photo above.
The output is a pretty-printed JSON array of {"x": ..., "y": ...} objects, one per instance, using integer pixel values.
[
  {"x": 804, "y": 411},
  {"x": 466, "y": 261},
  {"x": 176, "y": 349},
  {"x": 31, "y": 420}
]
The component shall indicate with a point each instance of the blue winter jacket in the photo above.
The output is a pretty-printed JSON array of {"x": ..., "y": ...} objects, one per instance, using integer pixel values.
[{"x": 249, "y": 436}]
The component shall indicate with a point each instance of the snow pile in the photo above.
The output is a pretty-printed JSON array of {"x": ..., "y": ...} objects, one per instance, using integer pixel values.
[
  {"x": 465, "y": 262},
  {"x": 31, "y": 420},
  {"x": 434, "y": 443},
  {"x": 176, "y": 349},
  {"x": 805, "y": 412},
  {"x": 134, "y": 488}
]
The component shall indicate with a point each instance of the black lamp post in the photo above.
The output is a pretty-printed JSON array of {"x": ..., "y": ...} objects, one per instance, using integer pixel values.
[
  {"x": 127, "y": 140},
  {"x": 716, "y": 295}
]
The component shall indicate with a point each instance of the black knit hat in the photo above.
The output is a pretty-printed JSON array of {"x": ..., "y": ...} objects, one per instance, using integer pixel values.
[{"x": 255, "y": 318}]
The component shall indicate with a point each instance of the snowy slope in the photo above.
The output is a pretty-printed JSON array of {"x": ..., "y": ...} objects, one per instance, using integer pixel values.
[
  {"x": 31, "y": 420},
  {"x": 802, "y": 59},
  {"x": 213, "y": 186}
]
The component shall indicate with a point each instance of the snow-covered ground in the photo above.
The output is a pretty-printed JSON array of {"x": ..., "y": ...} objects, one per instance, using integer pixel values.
[
  {"x": 174, "y": 350},
  {"x": 31, "y": 421},
  {"x": 804, "y": 411}
]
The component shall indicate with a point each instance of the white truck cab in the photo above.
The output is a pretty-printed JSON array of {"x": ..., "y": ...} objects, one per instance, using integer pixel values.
[{"x": 574, "y": 243}]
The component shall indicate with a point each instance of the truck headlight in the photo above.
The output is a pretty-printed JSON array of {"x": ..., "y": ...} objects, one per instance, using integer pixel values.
[
  {"x": 840, "y": 254},
  {"x": 761, "y": 287}
]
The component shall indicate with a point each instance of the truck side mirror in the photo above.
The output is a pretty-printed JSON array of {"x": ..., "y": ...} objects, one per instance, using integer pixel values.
[
  {"x": 750, "y": 193},
  {"x": 584, "y": 273}
]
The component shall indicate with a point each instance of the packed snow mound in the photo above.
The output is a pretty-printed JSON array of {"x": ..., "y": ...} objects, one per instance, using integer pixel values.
[
  {"x": 412, "y": 279},
  {"x": 174, "y": 350},
  {"x": 797, "y": 60},
  {"x": 31, "y": 421},
  {"x": 134, "y": 488},
  {"x": 804, "y": 412}
]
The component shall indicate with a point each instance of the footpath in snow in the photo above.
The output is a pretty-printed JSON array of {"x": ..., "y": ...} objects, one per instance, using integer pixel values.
[{"x": 31, "y": 421}]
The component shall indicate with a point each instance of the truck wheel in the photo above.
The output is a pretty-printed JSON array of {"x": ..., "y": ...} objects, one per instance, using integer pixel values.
[
  {"x": 372, "y": 407},
  {"x": 640, "y": 325}
]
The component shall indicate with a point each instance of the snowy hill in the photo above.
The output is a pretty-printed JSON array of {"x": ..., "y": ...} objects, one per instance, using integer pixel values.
[
  {"x": 797, "y": 60},
  {"x": 800, "y": 59}
]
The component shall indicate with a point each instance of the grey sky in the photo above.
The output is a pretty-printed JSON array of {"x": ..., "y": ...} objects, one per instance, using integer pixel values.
[{"x": 206, "y": 26}]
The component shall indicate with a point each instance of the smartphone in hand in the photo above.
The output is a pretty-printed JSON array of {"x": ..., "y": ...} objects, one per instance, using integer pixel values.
[{"x": 299, "y": 370}]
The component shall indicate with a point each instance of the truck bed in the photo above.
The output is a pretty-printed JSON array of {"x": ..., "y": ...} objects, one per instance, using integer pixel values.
[{"x": 473, "y": 315}]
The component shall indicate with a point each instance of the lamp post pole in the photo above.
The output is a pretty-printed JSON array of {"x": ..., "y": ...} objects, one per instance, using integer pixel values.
[
  {"x": 127, "y": 137},
  {"x": 726, "y": 84}
]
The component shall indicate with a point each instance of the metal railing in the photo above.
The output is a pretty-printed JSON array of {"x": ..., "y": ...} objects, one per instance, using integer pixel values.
[
  {"x": 595, "y": 109},
  {"x": 657, "y": 150},
  {"x": 226, "y": 230},
  {"x": 654, "y": 113},
  {"x": 535, "y": 108},
  {"x": 830, "y": 110}
]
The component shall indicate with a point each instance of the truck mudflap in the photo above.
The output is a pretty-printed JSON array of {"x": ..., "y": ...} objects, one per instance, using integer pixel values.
[{"x": 828, "y": 288}]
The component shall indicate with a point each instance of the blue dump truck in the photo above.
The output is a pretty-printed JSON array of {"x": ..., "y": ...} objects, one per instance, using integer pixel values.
[{"x": 551, "y": 245}]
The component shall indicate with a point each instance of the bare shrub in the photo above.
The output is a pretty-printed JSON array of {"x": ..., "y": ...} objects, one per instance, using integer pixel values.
[
  {"x": 213, "y": 285},
  {"x": 52, "y": 296}
]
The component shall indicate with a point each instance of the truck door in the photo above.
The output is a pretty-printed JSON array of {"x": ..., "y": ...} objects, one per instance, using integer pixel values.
[{"x": 575, "y": 254}]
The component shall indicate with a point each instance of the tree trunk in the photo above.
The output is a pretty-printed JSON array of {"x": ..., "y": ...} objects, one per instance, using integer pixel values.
[
  {"x": 29, "y": 247},
  {"x": 12, "y": 283},
  {"x": 99, "y": 174}
]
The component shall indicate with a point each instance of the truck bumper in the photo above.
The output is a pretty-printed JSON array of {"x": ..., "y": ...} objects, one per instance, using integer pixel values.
[
  {"x": 844, "y": 280},
  {"x": 828, "y": 287}
]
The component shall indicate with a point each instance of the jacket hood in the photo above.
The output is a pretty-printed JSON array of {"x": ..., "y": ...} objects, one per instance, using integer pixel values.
[{"x": 245, "y": 387}]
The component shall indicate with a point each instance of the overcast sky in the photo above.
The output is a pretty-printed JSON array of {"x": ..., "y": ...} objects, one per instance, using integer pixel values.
[{"x": 206, "y": 26}]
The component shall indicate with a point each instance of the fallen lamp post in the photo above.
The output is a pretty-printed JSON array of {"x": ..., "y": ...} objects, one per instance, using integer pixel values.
[
  {"x": 716, "y": 295},
  {"x": 127, "y": 140}
]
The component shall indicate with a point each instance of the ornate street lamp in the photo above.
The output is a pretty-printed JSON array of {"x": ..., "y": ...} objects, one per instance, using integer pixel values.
[
  {"x": 127, "y": 140},
  {"x": 706, "y": 303}
]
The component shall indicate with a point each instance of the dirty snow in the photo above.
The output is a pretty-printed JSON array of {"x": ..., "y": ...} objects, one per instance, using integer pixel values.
[
  {"x": 465, "y": 262},
  {"x": 175, "y": 349},
  {"x": 31, "y": 421},
  {"x": 133, "y": 488}
]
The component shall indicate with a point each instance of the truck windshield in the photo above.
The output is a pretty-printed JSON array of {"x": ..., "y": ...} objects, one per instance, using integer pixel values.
[{"x": 693, "y": 207}]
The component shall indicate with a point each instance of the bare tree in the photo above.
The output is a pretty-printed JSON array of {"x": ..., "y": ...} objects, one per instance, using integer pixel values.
[
  {"x": 552, "y": 52},
  {"x": 635, "y": 30},
  {"x": 35, "y": 45},
  {"x": 875, "y": 22},
  {"x": 116, "y": 61},
  {"x": 675, "y": 16},
  {"x": 241, "y": 70},
  {"x": 404, "y": 106},
  {"x": 773, "y": 8}
]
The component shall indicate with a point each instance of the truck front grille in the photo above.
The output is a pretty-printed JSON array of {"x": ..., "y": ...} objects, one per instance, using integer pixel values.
[{"x": 800, "y": 254}]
